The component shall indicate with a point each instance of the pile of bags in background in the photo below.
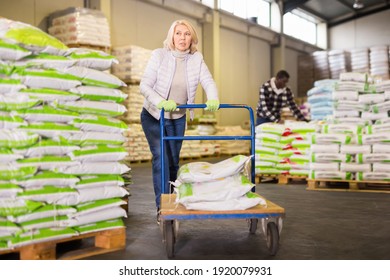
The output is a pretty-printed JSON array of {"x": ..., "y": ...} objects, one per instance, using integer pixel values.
[
  {"x": 216, "y": 187},
  {"x": 60, "y": 143},
  {"x": 283, "y": 148}
]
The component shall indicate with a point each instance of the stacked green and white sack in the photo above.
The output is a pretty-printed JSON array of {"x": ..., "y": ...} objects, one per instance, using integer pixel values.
[
  {"x": 359, "y": 99},
  {"x": 221, "y": 186},
  {"x": 60, "y": 144},
  {"x": 351, "y": 152},
  {"x": 283, "y": 148}
]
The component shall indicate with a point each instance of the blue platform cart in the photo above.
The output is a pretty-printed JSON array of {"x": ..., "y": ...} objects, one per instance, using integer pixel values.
[{"x": 270, "y": 216}]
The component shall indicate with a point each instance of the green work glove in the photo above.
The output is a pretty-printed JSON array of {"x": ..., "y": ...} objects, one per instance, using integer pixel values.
[
  {"x": 168, "y": 105},
  {"x": 212, "y": 105}
]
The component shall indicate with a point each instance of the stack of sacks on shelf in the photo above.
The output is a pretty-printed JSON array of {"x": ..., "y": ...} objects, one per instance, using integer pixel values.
[
  {"x": 360, "y": 60},
  {"x": 283, "y": 149},
  {"x": 134, "y": 104},
  {"x": 337, "y": 63},
  {"x": 136, "y": 144},
  {"x": 321, "y": 65},
  {"x": 197, "y": 148},
  {"x": 229, "y": 147},
  {"x": 60, "y": 146},
  {"x": 379, "y": 62},
  {"x": 132, "y": 62},
  {"x": 320, "y": 99},
  {"x": 191, "y": 148},
  {"x": 222, "y": 186},
  {"x": 80, "y": 26}
]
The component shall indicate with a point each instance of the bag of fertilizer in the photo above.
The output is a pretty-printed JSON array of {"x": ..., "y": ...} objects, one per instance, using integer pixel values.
[
  {"x": 330, "y": 157},
  {"x": 373, "y": 176},
  {"x": 49, "y": 95},
  {"x": 222, "y": 189},
  {"x": 44, "y": 60},
  {"x": 100, "y": 93},
  {"x": 204, "y": 171},
  {"x": 355, "y": 167},
  {"x": 94, "y": 59},
  {"x": 331, "y": 175},
  {"x": 9, "y": 51},
  {"x": 371, "y": 158},
  {"x": 93, "y": 77},
  {"x": 242, "y": 203},
  {"x": 30, "y": 38},
  {"x": 355, "y": 149}
]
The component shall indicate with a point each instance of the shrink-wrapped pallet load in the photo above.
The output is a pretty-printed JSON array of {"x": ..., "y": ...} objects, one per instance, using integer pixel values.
[{"x": 80, "y": 26}]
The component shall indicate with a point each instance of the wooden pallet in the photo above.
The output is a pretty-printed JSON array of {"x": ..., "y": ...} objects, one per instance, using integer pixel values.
[
  {"x": 93, "y": 47},
  {"x": 104, "y": 242},
  {"x": 348, "y": 185},
  {"x": 280, "y": 178}
]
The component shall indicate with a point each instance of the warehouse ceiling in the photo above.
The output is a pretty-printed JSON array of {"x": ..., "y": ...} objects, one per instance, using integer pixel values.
[{"x": 335, "y": 12}]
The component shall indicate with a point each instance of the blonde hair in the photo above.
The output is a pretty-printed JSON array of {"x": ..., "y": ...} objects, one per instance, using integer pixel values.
[{"x": 168, "y": 42}]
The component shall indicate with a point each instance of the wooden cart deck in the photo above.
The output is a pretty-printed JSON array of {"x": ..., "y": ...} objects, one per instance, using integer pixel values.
[{"x": 171, "y": 210}]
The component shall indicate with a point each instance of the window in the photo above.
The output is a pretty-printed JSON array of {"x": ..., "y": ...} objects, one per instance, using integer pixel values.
[
  {"x": 257, "y": 11},
  {"x": 294, "y": 23},
  {"x": 209, "y": 3}
]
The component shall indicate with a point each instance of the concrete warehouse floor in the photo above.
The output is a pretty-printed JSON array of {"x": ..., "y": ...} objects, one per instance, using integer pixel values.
[{"x": 319, "y": 225}]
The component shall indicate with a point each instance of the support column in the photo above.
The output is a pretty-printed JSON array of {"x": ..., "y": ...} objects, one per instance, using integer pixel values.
[
  {"x": 279, "y": 50},
  {"x": 211, "y": 47}
]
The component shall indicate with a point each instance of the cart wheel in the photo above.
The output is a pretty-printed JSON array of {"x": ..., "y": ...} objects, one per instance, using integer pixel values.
[
  {"x": 169, "y": 237},
  {"x": 272, "y": 238},
  {"x": 252, "y": 223}
]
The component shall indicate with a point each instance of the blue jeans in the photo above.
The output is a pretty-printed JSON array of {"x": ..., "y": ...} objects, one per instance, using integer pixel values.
[
  {"x": 151, "y": 128},
  {"x": 262, "y": 120}
]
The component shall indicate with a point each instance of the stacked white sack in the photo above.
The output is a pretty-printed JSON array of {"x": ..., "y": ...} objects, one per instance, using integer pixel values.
[
  {"x": 321, "y": 65},
  {"x": 355, "y": 99},
  {"x": 229, "y": 147},
  {"x": 331, "y": 149},
  {"x": 61, "y": 164},
  {"x": 379, "y": 62},
  {"x": 134, "y": 104},
  {"x": 136, "y": 144},
  {"x": 376, "y": 136},
  {"x": 132, "y": 62},
  {"x": 222, "y": 186},
  {"x": 80, "y": 26},
  {"x": 337, "y": 63},
  {"x": 360, "y": 60},
  {"x": 320, "y": 99}
]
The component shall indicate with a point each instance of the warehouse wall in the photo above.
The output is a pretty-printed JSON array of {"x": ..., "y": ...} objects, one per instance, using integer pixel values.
[
  {"x": 245, "y": 48},
  {"x": 34, "y": 12},
  {"x": 366, "y": 31}
]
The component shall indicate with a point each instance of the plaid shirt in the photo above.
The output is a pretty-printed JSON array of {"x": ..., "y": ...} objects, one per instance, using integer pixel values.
[{"x": 270, "y": 103}]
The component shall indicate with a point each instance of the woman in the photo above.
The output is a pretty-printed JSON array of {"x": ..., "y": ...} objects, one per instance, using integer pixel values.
[{"x": 172, "y": 77}]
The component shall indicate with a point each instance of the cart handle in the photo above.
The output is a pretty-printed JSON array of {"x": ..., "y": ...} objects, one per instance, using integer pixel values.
[{"x": 251, "y": 138}]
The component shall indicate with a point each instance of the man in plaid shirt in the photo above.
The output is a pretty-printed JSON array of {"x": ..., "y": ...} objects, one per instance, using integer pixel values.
[{"x": 274, "y": 95}]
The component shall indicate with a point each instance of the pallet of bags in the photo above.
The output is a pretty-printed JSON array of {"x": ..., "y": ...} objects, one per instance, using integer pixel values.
[
  {"x": 80, "y": 26},
  {"x": 60, "y": 141}
]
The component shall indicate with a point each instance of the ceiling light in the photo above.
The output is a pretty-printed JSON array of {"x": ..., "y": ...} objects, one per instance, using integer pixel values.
[{"x": 358, "y": 5}]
